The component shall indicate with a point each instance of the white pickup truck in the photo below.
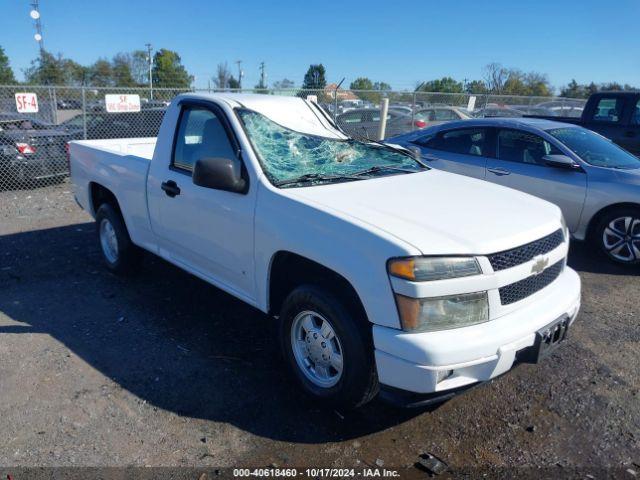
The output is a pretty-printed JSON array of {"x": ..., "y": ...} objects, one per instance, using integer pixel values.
[{"x": 385, "y": 276}]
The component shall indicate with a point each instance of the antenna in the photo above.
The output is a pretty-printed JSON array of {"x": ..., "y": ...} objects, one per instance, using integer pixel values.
[{"x": 35, "y": 15}]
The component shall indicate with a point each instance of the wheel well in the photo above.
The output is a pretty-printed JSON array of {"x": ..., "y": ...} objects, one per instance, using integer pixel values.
[
  {"x": 606, "y": 210},
  {"x": 100, "y": 195},
  {"x": 289, "y": 270}
]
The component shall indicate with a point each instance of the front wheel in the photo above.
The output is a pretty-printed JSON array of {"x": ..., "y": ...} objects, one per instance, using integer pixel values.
[
  {"x": 618, "y": 236},
  {"x": 327, "y": 348}
]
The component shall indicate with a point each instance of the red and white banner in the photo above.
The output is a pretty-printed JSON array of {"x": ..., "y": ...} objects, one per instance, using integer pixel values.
[
  {"x": 122, "y": 103},
  {"x": 27, "y": 103}
]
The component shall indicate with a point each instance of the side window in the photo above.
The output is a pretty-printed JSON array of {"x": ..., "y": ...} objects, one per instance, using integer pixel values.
[
  {"x": 609, "y": 110},
  {"x": 425, "y": 115},
  {"x": 467, "y": 141},
  {"x": 635, "y": 119},
  {"x": 523, "y": 147},
  {"x": 200, "y": 135},
  {"x": 443, "y": 115}
]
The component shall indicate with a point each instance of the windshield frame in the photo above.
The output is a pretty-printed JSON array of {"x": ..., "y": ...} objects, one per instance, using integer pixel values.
[
  {"x": 580, "y": 157},
  {"x": 317, "y": 182}
]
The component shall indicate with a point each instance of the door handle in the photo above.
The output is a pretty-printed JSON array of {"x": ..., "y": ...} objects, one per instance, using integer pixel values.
[
  {"x": 430, "y": 157},
  {"x": 499, "y": 171},
  {"x": 171, "y": 188}
]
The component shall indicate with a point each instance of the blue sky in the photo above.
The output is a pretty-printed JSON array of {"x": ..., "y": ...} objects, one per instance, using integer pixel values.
[{"x": 399, "y": 42}]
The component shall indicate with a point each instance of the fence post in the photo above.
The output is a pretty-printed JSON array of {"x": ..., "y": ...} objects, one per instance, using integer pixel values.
[
  {"x": 54, "y": 105},
  {"x": 84, "y": 113},
  {"x": 384, "y": 109}
]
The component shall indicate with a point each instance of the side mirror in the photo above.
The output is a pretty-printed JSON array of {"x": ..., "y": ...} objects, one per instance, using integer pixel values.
[
  {"x": 219, "y": 173},
  {"x": 560, "y": 161}
]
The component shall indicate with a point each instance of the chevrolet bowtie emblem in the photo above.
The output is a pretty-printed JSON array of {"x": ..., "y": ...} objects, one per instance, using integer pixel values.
[{"x": 540, "y": 265}]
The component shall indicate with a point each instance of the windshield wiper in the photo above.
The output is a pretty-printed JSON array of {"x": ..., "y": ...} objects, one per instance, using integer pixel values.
[
  {"x": 310, "y": 177},
  {"x": 379, "y": 168}
]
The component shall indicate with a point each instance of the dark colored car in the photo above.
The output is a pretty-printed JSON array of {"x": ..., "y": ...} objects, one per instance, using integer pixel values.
[
  {"x": 615, "y": 115},
  {"x": 145, "y": 123},
  {"x": 497, "y": 111},
  {"x": 365, "y": 123},
  {"x": 31, "y": 150}
]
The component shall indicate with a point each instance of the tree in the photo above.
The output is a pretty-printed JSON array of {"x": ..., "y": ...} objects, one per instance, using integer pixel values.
[
  {"x": 101, "y": 74},
  {"x": 284, "y": 84},
  {"x": 476, "y": 87},
  {"x": 140, "y": 67},
  {"x": 382, "y": 86},
  {"x": 444, "y": 85},
  {"x": 168, "y": 70},
  {"x": 122, "y": 72},
  {"x": 314, "y": 79},
  {"x": 361, "y": 83},
  {"x": 221, "y": 80},
  {"x": 233, "y": 83},
  {"x": 538, "y": 84},
  {"x": 367, "y": 90},
  {"x": 6, "y": 72},
  {"x": 495, "y": 75},
  {"x": 47, "y": 69}
]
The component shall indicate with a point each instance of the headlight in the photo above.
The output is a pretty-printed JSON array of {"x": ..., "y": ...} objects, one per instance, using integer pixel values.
[
  {"x": 421, "y": 269},
  {"x": 442, "y": 313}
]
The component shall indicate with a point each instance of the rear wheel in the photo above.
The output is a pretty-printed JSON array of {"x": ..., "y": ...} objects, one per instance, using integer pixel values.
[
  {"x": 327, "y": 348},
  {"x": 118, "y": 251},
  {"x": 618, "y": 236}
]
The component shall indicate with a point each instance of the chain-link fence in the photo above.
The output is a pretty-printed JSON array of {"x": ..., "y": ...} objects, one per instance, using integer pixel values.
[{"x": 37, "y": 122}]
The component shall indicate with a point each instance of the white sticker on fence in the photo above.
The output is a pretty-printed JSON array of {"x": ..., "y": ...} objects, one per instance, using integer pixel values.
[
  {"x": 27, "y": 102},
  {"x": 312, "y": 98},
  {"x": 122, "y": 103},
  {"x": 472, "y": 103}
]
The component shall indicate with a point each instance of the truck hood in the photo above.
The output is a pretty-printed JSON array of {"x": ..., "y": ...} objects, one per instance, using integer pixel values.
[{"x": 439, "y": 212}]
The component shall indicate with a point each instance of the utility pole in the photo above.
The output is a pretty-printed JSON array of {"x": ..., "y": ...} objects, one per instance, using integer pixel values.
[
  {"x": 35, "y": 15},
  {"x": 262, "y": 76},
  {"x": 240, "y": 74},
  {"x": 150, "y": 60}
]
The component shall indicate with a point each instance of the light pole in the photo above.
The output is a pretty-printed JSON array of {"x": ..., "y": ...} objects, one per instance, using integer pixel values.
[{"x": 149, "y": 59}]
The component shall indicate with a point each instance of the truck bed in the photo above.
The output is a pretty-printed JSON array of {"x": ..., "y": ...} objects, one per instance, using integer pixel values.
[{"x": 121, "y": 166}]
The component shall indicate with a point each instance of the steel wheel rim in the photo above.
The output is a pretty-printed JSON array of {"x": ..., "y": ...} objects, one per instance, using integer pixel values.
[
  {"x": 317, "y": 349},
  {"x": 108, "y": 241},
  {"x": 621, "y": 239}
]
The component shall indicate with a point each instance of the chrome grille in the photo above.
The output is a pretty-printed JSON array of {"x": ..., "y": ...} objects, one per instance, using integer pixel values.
[
  {"x": 530, "y": 285},
  {"x": 516, "y": 256}
]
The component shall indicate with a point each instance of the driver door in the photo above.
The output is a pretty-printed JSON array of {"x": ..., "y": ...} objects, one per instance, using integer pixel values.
[{"x": 207, "y": 231}]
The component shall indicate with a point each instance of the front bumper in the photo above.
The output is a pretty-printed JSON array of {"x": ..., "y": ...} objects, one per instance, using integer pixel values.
[{"x": 449, "y": 360}]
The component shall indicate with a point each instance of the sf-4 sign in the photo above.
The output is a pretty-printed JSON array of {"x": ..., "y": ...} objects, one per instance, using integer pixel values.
[
  {"x": 27, "y": 103},
  {"x": 122, "y": 103}
]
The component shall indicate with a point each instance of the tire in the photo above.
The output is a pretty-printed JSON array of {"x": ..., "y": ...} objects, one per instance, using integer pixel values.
[
  {"x": 118, "y": 251},
  {"x": 348, "y": 383},
  {"x": 617, "y": 236}
]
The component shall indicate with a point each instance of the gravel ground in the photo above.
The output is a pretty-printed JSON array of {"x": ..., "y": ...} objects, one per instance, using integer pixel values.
[{"x": 164, "y": 370}]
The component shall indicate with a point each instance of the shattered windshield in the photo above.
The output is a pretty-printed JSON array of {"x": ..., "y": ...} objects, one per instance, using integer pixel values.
[{"x": 287, "y": 155}]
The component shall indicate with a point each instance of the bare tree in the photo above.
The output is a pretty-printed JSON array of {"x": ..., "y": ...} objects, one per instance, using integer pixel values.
[
  {"x": 495, "y": 76},
  {"x": 221, "y": 80}
]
